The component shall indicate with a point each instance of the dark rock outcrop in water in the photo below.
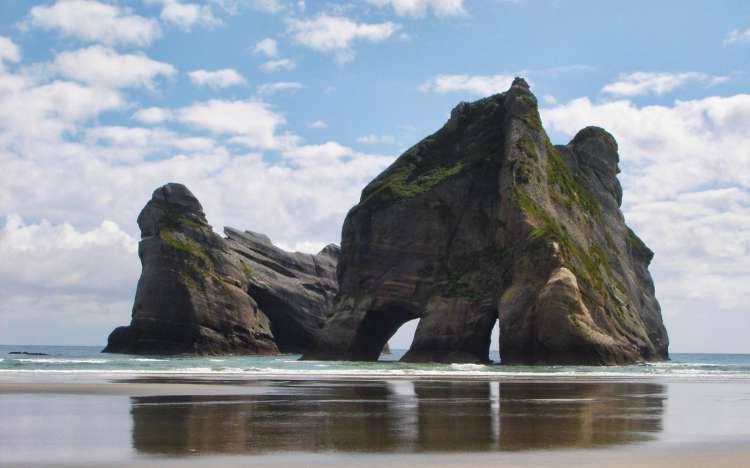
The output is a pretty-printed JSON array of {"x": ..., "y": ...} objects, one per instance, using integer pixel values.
[
  {"x": 203, "y": 294},
  {"x": 487, "y": 219}
]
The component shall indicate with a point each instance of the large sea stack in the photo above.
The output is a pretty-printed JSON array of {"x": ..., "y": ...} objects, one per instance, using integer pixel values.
[
  {"x": 487, "y": 220},
  {"x": 200, "y": 293}
]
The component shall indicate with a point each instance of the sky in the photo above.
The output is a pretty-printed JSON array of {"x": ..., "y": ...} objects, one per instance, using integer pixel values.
[{"x": 277, "y": 113}]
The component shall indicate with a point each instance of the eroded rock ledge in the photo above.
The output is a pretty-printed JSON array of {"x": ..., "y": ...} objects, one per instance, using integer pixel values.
[
  {"x": 486, "y": 219},
  {"x": 200, "y": 293}
]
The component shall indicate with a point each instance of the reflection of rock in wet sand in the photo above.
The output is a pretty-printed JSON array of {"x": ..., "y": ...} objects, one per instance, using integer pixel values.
[
  {"x": 311, "y": 417},
  {"x": 399, "y": 417},
  {"x": 454, "y": 416},
  {"x": 184, "y": 424},
  {"x": 552, "y": 415}
]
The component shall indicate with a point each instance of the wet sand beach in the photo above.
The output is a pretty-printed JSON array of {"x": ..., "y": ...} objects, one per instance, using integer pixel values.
[{"x": 394, "y": 422}]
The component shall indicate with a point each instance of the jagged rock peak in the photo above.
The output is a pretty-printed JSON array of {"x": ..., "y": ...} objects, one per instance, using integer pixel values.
[
  {"x": 331, "y": 250},
  {"x": 177, "y": 194},
  {"x": 170, "y": 205},
  {"x": 518, "y": 81}
]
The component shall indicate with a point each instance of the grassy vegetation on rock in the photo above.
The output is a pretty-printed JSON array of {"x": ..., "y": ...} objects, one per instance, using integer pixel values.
[
  {"x": 197, "y": 254},
  {"x": 398, "y": 184},
  {"x": 246, "y": 268},
  {"x": 573, "y": 254},
  {"x": 189, "y": 222},
  {"x": 570, "y": 186},
  {"x": 526, "y": 144},
  {"x": 443, "y": 155}
]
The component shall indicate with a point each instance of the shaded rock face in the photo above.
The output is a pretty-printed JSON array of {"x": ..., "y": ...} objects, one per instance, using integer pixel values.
[
  {"x": 202, "y": 294},
  {"x": 295, "y": 290},
  {"x": 486, "y": 219}
]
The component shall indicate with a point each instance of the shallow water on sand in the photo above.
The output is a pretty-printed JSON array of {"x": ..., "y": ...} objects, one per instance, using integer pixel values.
[
  {"x": 82, "y": 360},
  {"x": 138, "y": 419}
]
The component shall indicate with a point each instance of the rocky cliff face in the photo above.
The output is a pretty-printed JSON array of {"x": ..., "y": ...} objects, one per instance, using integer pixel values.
[
  {"x": 200, "y": 293},
  {"x": 295, "y": 290},
  {"x": 486, "y": 219}
]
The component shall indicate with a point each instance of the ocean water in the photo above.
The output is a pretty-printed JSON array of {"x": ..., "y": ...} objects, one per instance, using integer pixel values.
[{"x": 88, "y": 360}]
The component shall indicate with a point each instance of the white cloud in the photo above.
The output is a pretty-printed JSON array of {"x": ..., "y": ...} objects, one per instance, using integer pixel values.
[
  {"x": 314, "y": 154},
  {"x": 50, "y": 255},
  {"x": 301, "y": 198},
  {"x": 123, "y": 144},
  {"x": 271, "y": 88},
  {"x": 253, "y": 123},
  {"x": 45, "y": 136},
  {"x": 373, "y": 139},
  {"x": 223, "y": 78},
  {"x": 267, "y": 47},
  {"x": 686, "y": 145},
  {"x": 65, "y": 278},
  {"x": 686, "y": 179},
  {"x": 186, "y": 15},
  {"x": 101, "y": 66},
  {"x": 304, "y": 246},
  {"x": 43, "y": 112},
  {"x": 482, "y": 85},
  {"x": 641, "y": 83},
  {"x": 233, "y": 7},
  {"x": 737, "y": 35},
  {"x": 318, "y": 124},
  {"x": 9, "y": 51},
  {"x": 280, "y": 64},
  {"x": 153, "y": 115},
  {"x": 93, "y": 21},
  {"x": 337, "y": 34},
  {"x": 418, "y": 8}
]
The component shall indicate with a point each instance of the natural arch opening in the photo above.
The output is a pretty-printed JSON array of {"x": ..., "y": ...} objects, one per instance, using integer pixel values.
[
  {"x": 377, "y": 328},
  {"x": 401, "y": 341},
  {"x": 291, "y": 334},
  {"x": 495, "y": 343}
]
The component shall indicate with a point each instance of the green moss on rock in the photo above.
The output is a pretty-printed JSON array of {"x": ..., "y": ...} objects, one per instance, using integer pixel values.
[
  {"x": 399, "y": 185},
  {"x": 573, "y": 254},
  {"x": 246, "y": 268},
  {"x": 527, "y": 146},
  {"x": 197, "y": 254},
  {"x": 465, "y": 141},
  {"x": 570, "y": 186},
  {"x": 190, "y": 223},
  {"x": 533, "y": 120}
]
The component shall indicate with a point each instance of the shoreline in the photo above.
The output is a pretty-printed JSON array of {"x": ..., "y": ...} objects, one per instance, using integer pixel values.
[{"x": 238, "y": 377}]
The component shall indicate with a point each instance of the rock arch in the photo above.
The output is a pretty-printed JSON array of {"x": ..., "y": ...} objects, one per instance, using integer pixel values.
[{"x": 486, "y": 219}]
